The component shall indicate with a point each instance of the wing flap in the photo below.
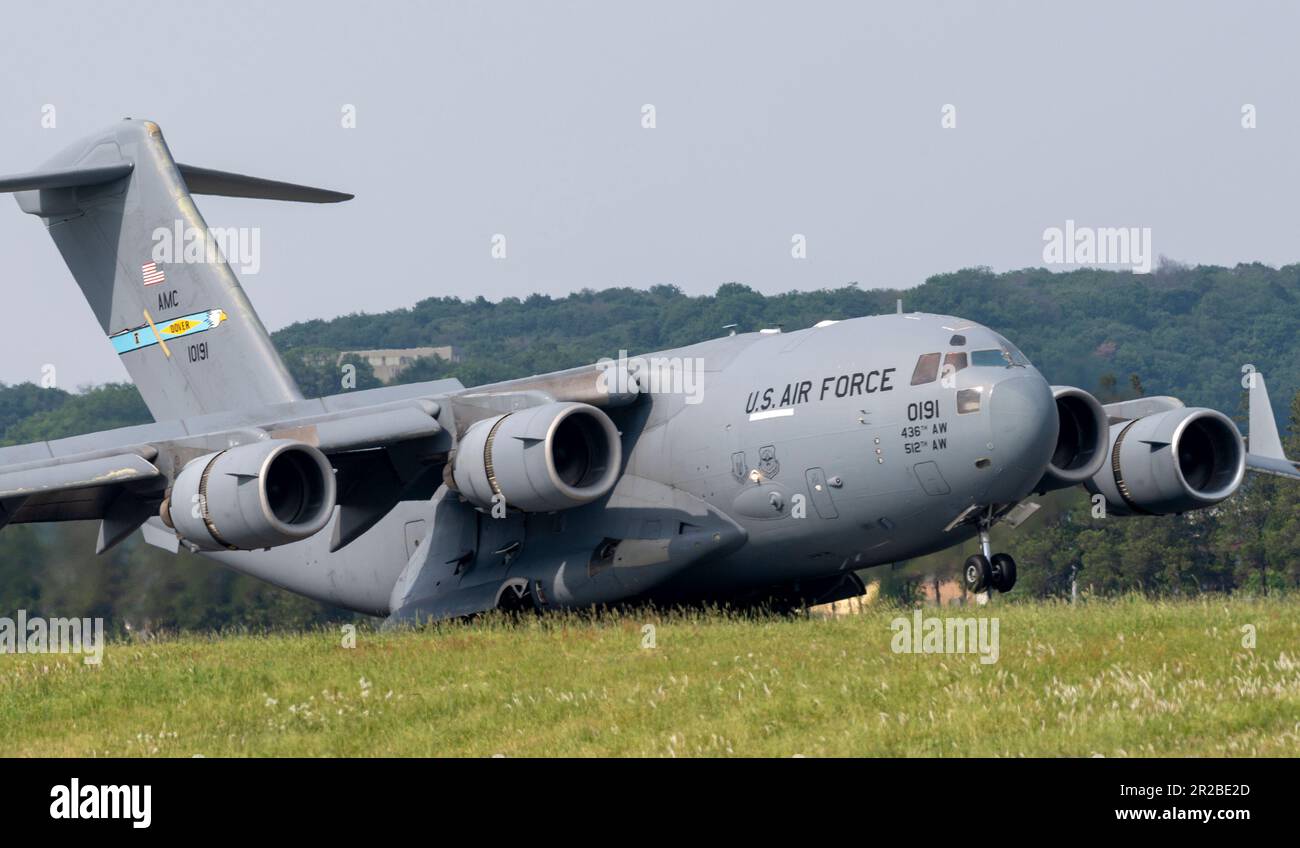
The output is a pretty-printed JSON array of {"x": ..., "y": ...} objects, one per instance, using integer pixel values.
[
  {"x": 65, "y": 505},
  {"x": 72, "y": 476}
]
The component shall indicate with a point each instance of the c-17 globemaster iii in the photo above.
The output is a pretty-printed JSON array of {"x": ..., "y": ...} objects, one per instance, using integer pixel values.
[{"x": 794, "y": 461}]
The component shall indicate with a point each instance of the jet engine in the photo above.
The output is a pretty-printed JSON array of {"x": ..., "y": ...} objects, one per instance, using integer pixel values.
[
  {"x": 258, "y": 495},
  {"x": 540, "y": 459},
  {"x": 1171, "y": 462},
  {"x": 1081, "y": 441}
]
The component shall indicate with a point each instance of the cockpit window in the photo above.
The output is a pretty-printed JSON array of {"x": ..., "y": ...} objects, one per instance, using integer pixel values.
[
  {"x": 968, "y": 400},
  {"x": 927, "y": 369},
  {"x": 954, "y": 362},
  {"x": 990, "y": 357},
  {"x": 1017, "y": 358},
  {"x": 957, "y": 340}
]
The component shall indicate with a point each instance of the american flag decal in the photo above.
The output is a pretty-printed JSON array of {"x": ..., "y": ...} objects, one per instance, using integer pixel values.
[{"x": 153, "y": 275}]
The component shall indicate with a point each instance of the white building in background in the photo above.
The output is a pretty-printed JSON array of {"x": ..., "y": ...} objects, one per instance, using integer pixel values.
[{"x": 386, "y": 363}]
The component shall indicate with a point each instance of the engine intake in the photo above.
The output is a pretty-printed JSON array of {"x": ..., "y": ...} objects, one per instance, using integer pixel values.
[
  {"x": 253, "y": 496},
  {"x": 541, "y": 459},
  {"x": 1172, "y": 462},
  {"x": 1081, "y": 442}
]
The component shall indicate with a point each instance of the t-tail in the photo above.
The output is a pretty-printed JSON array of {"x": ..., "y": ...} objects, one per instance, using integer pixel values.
[{"x": 119, "y": 208}]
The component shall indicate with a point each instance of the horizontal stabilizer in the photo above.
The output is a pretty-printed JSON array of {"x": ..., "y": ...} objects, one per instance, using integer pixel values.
[
  {"x": 226, "y": 184},
  {"x": 65, "y": 177}
]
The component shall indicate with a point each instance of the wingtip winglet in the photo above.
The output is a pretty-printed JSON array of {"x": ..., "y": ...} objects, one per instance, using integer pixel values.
[
  {"x": 1262, "y": 426},
  {"x": 1266, "y": 455}
]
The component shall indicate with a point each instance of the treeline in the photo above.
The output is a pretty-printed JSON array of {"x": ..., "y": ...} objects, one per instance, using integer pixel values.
[
  {"x": 1185, "y": 331},
  {"x": 1180, "y": 331}
]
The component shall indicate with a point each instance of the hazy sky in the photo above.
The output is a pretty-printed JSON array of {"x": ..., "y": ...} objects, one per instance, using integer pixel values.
[{"x": 525, "y": 119}]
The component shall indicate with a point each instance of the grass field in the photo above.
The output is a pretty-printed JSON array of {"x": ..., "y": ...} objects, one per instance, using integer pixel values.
[{"x": 1129, "y": 677}]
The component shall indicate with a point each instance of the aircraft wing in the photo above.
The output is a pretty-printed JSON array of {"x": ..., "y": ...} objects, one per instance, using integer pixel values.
[
  {"x": 382, "y": 446},
  {"x": 53, "y": 477},
  {"x": 73, "y": 488},
  {"x": 121, "y": 476}
]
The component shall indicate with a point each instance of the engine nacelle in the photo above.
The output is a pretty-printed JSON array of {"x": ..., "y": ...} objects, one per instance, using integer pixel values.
[
  {"x": 1081, "y": 442},
  {"x": 540, "y": 459},
  {"x": 253, "y": 496},
  {"x": 1171, "y": 462}
]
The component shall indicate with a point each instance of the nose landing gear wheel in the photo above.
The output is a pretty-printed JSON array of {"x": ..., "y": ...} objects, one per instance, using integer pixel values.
[
  {"x": 978, "y": 573},
  {"x": 1004, "y": 572}
]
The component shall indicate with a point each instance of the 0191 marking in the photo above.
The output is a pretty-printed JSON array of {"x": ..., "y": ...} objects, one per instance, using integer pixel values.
[{"x": 922, "y": 410}]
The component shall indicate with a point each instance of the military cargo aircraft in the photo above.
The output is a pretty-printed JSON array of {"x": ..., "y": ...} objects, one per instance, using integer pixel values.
[{"x": 764, "y": 465}]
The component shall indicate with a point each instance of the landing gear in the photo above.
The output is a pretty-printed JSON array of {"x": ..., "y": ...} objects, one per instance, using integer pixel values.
[
  {"x": 514, "y": 598},
  {"x": 1004, "y": 572},
  {"x": 978, "y": 573},
  {"x": 989, "y": 570}
]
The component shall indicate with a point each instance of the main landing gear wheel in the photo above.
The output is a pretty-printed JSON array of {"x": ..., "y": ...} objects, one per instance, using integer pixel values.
[
  {"x": 1004, "y": 572},
  {"x": 978, "y": 573},
  {"x": 989, "y": 570},
  {"x": 514, "y": 599}
]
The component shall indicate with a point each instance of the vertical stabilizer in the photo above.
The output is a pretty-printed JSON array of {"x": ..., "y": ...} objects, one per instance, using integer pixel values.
[{"x": 119, "y": 209}]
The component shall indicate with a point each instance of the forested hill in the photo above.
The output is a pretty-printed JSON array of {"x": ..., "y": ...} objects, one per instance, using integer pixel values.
[{"x": 1183, "y": 331}]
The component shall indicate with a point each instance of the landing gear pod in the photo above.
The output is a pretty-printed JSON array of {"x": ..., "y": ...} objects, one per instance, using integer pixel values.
[
  {"x": 253, "y": 496},
  {"x": 540, "y": 459},
  {"x": 1171, "y": 462},
  {"x": 1081, "y": 442}
]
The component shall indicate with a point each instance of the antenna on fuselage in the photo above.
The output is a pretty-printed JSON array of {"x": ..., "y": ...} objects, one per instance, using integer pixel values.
[
  {"x": 900, "y": 306},
  {"x": 730, "y": 328}
]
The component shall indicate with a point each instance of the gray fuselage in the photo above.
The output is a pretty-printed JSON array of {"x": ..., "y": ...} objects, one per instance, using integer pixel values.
[{"x": 835, "y": 448}]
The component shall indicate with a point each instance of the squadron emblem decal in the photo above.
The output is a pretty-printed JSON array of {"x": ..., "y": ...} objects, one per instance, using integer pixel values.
[
  {"x": 150, "y": 334},
  {"x": 739, "y": 467}
]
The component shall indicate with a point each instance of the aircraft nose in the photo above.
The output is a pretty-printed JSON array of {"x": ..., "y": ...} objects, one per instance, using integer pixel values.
[{"x": 1023, "y": 424}]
